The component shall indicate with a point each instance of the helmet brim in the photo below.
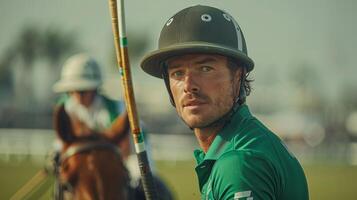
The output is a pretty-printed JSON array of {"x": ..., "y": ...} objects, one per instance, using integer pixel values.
[
  {"x": 75, "y": 85},
  {"x": 153, "y": 62}
]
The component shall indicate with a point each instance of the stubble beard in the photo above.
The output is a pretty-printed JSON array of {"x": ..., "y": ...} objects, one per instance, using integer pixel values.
[
  {"x": 221, "y": 105},
  {"x": 206, "y": 120}
]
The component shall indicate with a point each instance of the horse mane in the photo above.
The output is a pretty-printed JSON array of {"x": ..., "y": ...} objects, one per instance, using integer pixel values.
[{"x": 62, "y": 124}]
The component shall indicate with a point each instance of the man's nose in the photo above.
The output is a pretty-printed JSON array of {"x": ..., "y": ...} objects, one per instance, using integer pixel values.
[{"x": 190, "y": 83}]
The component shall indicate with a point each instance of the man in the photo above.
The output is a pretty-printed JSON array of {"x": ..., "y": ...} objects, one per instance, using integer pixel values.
[
  {"x": 203, "y": 60},
  {"x": 89, "y": 111}
]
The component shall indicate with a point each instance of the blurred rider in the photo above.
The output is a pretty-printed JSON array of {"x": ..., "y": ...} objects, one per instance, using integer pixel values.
[{"x": 92, "y": 113}]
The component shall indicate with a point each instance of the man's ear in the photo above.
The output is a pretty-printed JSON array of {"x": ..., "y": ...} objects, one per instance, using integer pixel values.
[{"x": 62, "y": 125}]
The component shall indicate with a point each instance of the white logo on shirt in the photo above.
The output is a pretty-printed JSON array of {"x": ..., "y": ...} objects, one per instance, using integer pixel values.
[
  {"x": 244, "y": 194},
  {"x": 209, "y": 189}
]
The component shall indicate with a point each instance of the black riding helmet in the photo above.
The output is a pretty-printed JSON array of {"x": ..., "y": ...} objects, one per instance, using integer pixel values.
[{"x": 197, "y": 29}]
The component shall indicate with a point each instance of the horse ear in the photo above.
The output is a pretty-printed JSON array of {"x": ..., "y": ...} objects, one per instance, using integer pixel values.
[{"x": 62, "y": 124}]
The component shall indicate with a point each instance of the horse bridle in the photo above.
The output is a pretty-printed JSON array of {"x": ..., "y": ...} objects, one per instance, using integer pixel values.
[
  {"x": 88, "y": 146},
  {"x": 74, "y": 150}
]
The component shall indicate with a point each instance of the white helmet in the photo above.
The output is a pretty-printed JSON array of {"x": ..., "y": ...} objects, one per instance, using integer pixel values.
[{"x": 80, "y": 72}]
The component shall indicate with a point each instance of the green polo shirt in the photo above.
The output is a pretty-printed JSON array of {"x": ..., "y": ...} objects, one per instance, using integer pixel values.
[{"x": 246, "y": 161}]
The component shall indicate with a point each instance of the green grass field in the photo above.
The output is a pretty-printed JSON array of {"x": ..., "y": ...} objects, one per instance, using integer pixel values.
[{"x": 325, "y": 181}]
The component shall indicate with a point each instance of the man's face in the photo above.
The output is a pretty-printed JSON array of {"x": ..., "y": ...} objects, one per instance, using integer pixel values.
[
  {"x": 86, "y": 97},
  {"x": 203, "y": 87}
]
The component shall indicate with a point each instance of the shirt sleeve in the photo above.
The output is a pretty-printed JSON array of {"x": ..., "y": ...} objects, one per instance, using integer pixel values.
[{"x": 243, "y": 175}]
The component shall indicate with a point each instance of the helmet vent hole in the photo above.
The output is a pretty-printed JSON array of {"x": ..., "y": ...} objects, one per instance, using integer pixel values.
[{"x": 206, "y": 17}]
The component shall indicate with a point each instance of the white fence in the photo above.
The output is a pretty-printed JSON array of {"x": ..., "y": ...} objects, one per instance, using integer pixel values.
[{"x": 36, "y": 143}]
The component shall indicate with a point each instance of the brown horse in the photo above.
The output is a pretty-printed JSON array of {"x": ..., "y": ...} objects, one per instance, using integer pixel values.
[{"x": 91, "y": 167}]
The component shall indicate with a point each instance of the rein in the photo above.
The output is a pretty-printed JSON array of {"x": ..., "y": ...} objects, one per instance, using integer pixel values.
[{"x": 88, "y": 146}]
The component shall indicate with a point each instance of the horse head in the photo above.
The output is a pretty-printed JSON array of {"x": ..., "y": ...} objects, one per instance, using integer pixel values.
[{"x": 90, "y": 167}]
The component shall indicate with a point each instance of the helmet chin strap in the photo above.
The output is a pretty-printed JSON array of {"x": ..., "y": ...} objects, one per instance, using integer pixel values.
[
  {"x": 225, "y": 119},
  {"x": 165, "y": 76}
]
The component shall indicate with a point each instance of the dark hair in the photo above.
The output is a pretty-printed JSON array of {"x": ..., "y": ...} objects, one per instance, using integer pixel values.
[{"x": 234, "y": 65}]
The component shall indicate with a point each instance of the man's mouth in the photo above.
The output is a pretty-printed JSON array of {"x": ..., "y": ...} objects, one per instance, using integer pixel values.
[{"x": 193, "y": 103}]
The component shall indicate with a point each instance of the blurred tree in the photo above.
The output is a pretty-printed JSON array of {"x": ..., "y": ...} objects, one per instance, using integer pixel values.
[
  {"x": 309, "y": 96},
  {"x": 26, "y": 47},
  {"x": 28, "y": 44},
  {"x": 310, "y": 100},
  {"x": 6, "y": 85},
  {"x": 30, "y": 50},
  {"x": 331, "y": 113},
  {"x": 348, "y": 98},
  {"x": 57, "y": 44},
  {"x": 137, "y": 45}
]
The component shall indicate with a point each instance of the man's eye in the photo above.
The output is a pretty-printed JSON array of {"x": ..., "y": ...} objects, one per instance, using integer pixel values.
[
  {"x": 206, "y": 68},
  {"x": 176, "y": 74}
]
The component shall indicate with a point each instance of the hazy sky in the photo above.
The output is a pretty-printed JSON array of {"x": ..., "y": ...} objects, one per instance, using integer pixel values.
[{"x": 281, "y": 35}]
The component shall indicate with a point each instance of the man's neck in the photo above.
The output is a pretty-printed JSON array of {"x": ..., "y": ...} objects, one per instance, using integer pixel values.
[{"x": 205, "y": 136}]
